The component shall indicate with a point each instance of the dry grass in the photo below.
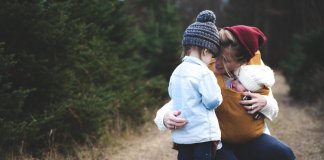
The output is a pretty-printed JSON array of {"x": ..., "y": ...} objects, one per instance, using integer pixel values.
[
  {"x": 298, "y": 126},
  {"x": 151, "y": 145}
]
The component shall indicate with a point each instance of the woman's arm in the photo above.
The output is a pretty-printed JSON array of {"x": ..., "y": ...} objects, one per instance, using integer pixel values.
[
  {"x": 271, "y": 109},
  {"x": 267, "y": 105},
  {"x": 167, "y": 119}
]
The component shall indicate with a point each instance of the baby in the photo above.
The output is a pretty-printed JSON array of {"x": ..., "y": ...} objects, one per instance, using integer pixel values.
[{"x": 253, "y": 78}]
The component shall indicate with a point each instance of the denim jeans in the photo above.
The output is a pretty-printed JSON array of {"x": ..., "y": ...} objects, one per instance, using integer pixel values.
[
  {"x": 197, "y": 151},
  {"x": 264, "y": 147}
]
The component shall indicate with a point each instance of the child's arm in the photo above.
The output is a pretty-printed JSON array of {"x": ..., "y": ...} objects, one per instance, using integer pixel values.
[{"x": 210, "y": 91}]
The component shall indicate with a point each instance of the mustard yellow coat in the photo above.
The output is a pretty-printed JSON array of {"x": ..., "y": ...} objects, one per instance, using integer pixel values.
[{"x": 237, "y": 126}]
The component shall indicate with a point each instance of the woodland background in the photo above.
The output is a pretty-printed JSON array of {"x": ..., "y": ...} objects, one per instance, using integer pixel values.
[{"x": 73, "y": 72}]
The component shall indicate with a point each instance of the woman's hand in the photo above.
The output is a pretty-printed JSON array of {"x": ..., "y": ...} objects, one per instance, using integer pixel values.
[
  {"x": 171, "y": 121},
  {"x": 256, "y": 103}
]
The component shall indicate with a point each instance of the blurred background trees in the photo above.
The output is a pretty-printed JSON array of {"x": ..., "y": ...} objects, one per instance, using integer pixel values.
[
  {"x": 294, "y": 29},
  {"x": 71, "y": 71}
]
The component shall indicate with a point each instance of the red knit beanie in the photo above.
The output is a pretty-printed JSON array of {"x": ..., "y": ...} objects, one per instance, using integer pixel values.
[{"x": 251, "y": 38}]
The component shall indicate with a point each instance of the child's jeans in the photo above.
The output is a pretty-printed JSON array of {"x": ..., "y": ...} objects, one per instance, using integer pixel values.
[{"x": 197, "y": 151}]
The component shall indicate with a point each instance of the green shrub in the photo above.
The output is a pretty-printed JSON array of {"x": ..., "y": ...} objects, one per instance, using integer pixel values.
[{"x": 304, "y": 68}]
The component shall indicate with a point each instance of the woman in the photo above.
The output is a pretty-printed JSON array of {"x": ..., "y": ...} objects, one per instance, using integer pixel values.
[{"x": 239, "y": 46}]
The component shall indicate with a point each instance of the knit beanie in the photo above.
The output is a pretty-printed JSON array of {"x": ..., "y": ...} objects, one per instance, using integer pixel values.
[
  {"x": 203, "y": 33},
  {"x": 255, "y": 77},
  {"x": 251, "y": 38}
]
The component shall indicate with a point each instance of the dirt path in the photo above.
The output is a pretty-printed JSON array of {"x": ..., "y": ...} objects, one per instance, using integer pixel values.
[
  {"x": 296, "y": 126},
  {"x": 299, "y": 127}
]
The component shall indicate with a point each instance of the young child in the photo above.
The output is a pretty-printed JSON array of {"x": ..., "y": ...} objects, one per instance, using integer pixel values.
[{"x": 194, "y": 91}]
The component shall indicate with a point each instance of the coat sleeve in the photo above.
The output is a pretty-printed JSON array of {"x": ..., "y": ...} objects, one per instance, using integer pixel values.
[
  {"x": 271, "y": 109},
  {"x": 160, "y": 114},
  {"x": 210, "y": 91}
]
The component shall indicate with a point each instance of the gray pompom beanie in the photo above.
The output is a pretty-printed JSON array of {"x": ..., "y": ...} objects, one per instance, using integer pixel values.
[{"x": 203, "y": 33}]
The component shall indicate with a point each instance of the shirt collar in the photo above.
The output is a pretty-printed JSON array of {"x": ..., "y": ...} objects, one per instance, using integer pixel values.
[{"x": 194, "y": 60}]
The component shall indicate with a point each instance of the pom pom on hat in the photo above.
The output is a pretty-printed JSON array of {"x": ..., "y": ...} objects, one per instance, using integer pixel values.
[
  {"x": 251, "y": 38},
  {"x": 206, "y": 16},
  {"x": 203, "y": 33},
  {"x": 255, "y": 77}
]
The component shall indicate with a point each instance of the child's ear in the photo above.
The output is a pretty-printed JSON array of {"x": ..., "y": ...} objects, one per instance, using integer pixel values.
[{"x": 205, "y": 52}]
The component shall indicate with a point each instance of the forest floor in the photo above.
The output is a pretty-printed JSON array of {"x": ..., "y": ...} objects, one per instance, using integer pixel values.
[{"x": 301, "y": 127}]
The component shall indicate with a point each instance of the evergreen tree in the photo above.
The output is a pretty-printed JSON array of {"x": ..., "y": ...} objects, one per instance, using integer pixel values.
[
  {"x": 70, "y": 69},
  {"x": 304, "y": 68},
  {"x": 160, "y": 46}
]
